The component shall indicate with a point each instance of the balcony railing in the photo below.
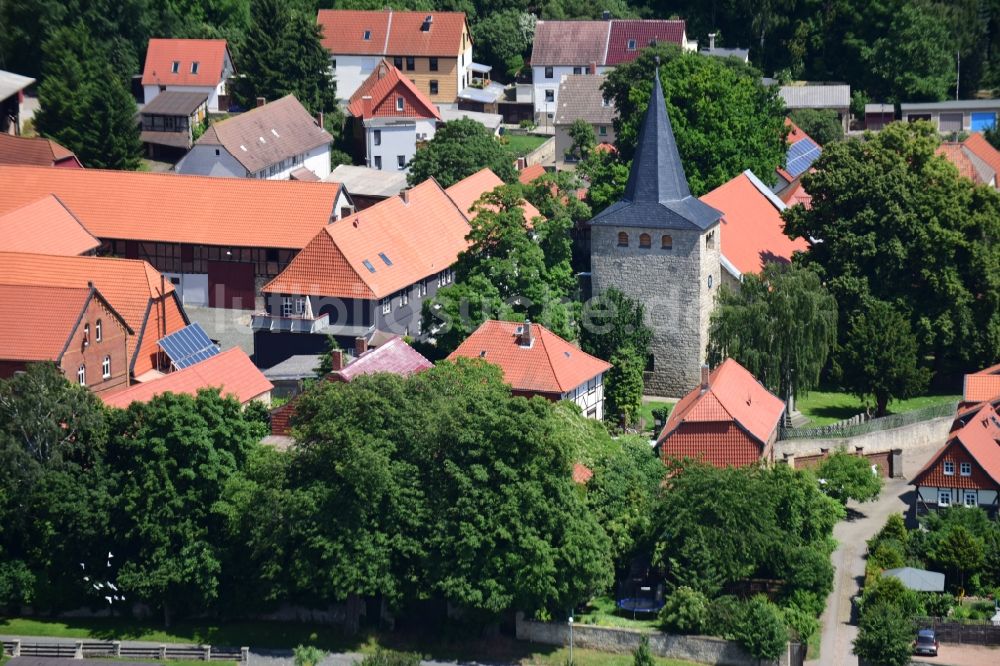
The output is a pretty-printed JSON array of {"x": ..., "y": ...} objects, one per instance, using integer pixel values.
[{"x": 262, "y": 321}]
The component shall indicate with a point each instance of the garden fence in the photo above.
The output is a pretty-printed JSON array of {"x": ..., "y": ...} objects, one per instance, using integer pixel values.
[
  {"x": 874, "y": 425},
  {"x": 973, "y": 632},
  {"x": 15, "y": 647}
]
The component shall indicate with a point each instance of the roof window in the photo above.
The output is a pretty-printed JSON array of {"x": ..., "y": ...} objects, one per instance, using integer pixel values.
[
  {"x": 631, "y": 45},
  {"x": 194, "y": 67},
  {"x": 368, "y": 35},
  {"x": 368, "y": 265},
  {"x": 175, "y": 66},
  {"x": 275, "y": 132},
  {"x": 426, "y": 25},
  {"x": 384, "y": 258}
]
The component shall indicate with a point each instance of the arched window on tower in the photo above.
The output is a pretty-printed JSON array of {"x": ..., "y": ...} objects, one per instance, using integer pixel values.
[
  {"x": 622, "y": 239},
  {"x": 645, "y": 241},
  {"x": 667, "y": 242}
]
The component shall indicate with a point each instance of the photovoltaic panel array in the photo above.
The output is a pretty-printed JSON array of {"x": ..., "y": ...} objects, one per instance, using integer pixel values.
[
  {"x": 188, "y": 346},
  {"x": 800, "y": 156}
]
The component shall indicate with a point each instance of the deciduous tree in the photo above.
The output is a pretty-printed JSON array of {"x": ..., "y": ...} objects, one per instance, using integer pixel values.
[
  {"x": 459, "y": 149},
  {"x": 885, "y": 636},
  {"x": 822, "y": 125},
  {"x": 844, "y": 476}
]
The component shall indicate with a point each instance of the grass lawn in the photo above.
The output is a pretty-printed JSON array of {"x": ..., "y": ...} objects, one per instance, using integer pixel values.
[
  {"x": 646, "y": 413},
  {"x": 603, "y": 612},
  {"x": 593, "y": 658},
  {"x": 826, "y": 407},
  {"x": 522, "y": 144}
]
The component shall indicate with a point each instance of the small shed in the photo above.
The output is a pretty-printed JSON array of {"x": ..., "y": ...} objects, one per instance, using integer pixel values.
[
  {"x": 878, "y": 116},
  {"x": 919, "y": 580}
]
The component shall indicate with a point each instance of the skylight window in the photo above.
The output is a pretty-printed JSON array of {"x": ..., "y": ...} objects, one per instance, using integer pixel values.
[
  {"x": 368, "y": 35},
  {"x": 368, "y": 265},
  {"x": 262, "y": 139},
  {"x": 631, "y": 45},
  {"x": 275, "y": 132},
  {"x": 384, "y": 258}
]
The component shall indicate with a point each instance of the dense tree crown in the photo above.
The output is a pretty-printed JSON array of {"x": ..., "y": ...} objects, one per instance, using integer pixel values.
[
  {"x": 724, "y": 119},
  {"x": 459, "y": 149}
]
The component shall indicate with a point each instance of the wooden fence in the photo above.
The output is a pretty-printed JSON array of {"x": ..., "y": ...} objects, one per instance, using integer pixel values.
[{"x": 973, "y": 632}]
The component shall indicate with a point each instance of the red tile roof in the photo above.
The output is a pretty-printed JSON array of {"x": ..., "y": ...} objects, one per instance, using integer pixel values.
[
  {"x": 796, "y": 194},
  {"x": 530, "y": 173},
  {"x": 420, "y": 238},
  {"x": 753, "y": 231},
  {"x": 268, "y": 134},
  {"x": 550, "y": 365},
  {"x": 44, "y": 334},
  {"x": 128, "y": 285},
  {"x": 982, "y": 386},
  {"x": 385, "y": 84},
  {"x": 129, "y": 205},
  {"x": 733, "y": 396},
  {"x": 395, "y": 357},
  {"x": 985, "y": 151},
  {"x": 466, "y": 191},
  {"x": 231, "y": 371},
  {"x": 796, "y": 133},
  {"x": 391, "y": 32},
  {"x": 45, "y": 227},
  {"x": 643, "y": 32},
  {"x": 35, "y": 151},
  {"x": 210, "y": 54},
  {"x": 980, "y": 436},
  {"x": 953, "y": 152},
  {"x": 578, "y": 43}
]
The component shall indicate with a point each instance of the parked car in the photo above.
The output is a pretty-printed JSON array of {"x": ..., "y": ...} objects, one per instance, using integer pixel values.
[{"x": 926, "y": 643}]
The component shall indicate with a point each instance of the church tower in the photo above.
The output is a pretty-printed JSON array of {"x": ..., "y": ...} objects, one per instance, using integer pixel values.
[{"x": 660, "y": 246}]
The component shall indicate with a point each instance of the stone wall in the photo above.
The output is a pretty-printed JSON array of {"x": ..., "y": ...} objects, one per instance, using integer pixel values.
[
  {"x": 672, "y": 284},
  {"x": 704, "y": 649}
]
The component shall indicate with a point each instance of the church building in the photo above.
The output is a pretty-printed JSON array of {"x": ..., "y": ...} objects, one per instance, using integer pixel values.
[{"x": 660, "y": 246}]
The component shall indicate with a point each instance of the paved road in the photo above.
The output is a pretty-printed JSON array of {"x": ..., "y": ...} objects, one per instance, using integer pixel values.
[{"x": 864, "y": 521}]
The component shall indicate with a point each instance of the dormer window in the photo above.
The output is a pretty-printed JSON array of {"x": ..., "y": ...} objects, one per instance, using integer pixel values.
[
  {"x": 368, "y": 35},
  {"x": 194, "y": 67},
  {"x": 622, "y": 239},
  {"x": 631, "y": 45},
  {"x": 175, "y": 66}
]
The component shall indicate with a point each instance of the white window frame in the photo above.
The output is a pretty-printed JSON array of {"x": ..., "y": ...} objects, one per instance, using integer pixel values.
[
  {"x": 632, "y": 45},
  {"x": 98, "y": 331},
  {"x": 400, "y": 104},
  {"x": 965, "y": 469},
  {"x": 944, "y": 497},
  {"x": 400, "y": 162},
  {"x": 550, "y": 95},
  {"x": 194, "y": 67},
  {"x": 386, "y": 304},
  {"x": 300, "y": 306},
  {"x": 949, "y": 467},
  {"x": 970, "y": 494},
  {"x": 287, "y": 306},
  {"x": 404, "y": 298},
  {"x": 81, "y": 374},
  {"x": 175, "y": 67},
  {"x": 106, "y": 367}
]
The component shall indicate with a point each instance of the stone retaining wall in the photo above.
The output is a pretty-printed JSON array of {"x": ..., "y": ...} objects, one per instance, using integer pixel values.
[{"x": 703, "y": 649}]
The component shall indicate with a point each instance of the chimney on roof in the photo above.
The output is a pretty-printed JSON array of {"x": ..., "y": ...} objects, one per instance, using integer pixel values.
[
  {"x": 711, "y": 41},
  {"x": 261, "y": 101},
  {"x": 526, "y": 337},
  {"x": 606, "y": 15},
  {"x": 404, "y": 194},
  {"x": 366, "y": 106},
  {"x": 336, "y": 359},
  {"x": 360, "y": 346},
  {"x": 319, "y": 119},
  {"x": 704, "y": 378}
]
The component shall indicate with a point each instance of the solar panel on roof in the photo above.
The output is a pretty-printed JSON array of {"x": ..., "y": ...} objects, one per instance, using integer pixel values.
[
  {"x": 188, "y": 346},
  {"x": 800, "y": 156}
]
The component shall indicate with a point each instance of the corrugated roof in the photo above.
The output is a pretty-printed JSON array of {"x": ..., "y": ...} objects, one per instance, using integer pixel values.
[
  {"x": 656, "y": 194},
  {"x": 580, "y": 96},
  {"x": 816, "y": 97},
  {"x": 45, "y": 227},
  {"x": 267, "y": 134},
  {"x": 640, "y": 32},
  {"x": 577, "y": 43},
  {"x": 232, "y": 372},
  {"x": 384, "y": 86},
  {"x": 549, "y": 365},
  {"x": 953, "y": 105},
  {"x": 395, "y": 357},
  {"x": 175, "y": 103},
  {"x": 467, "y": 191},
  {"x": 753, "y": 232},
  {"x": 391, "y": 32},
  {"x": 210, "y": 54},
  {"x": 42, "y": 336},
  {"x": 733, "y": 395},
  {"x": 130, "y": 205},
  {"x": 33, "y": 151},
  {"x": 420, "y": 238}
]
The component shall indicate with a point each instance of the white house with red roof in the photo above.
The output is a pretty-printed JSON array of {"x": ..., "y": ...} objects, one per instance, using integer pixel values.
[
  {"x": 390, "y": 117},
  {"x": 729, "y": 420},
  {"x": 536, "y": 361},
  {"x": 966, "y": 470},
  {"x": 188, "y": 65}
]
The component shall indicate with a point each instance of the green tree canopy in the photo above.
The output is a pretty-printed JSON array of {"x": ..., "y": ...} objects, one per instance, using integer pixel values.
[
  {"x": 822, "y": 125},
  {"x": 724, "y": 119},
  {"x": 503, "y": 40},
  {"x": 581, "y": 133},
  {"x": 914, "y": 61},
  {"x": 459, "y": 149},
  {"x": 844, "y": 476},
  {"x": 612, "y": 321},
  {"x": 898, "y": 224},
  {"x": 885, "y": 636},
  {"x": 623, "y": 387},
  {"x": 780, "y": 325}
]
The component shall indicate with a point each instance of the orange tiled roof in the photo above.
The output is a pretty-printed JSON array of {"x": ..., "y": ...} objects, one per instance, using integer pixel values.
[
  {"x": 210, "y": 54},
  {"x": 733, "y": 396},
  {"x": 384, "y": 85},
  {"x": 466, "y": 191},
  {"x": 549, "y": 365},
  {"x": 129, "y": 205},
  {"x": 45, "y": 227},
  {"x": 953, "y": 152},
  {"x": 530, "y": 173},
  {"x": 982, "y": 386},
  {"x": 980, "y": 436},
  {"x": 44, "y": 334},
  {"x": 796, "y": 194},
  {"x": 391, "y": 33},
  {"x": 34, "y": 151},
  {"x": 753, "y": 231},
  {"x": 795, "y": 133},
  {"x": 985, "y": 151},
  {"x": 128, "y": 285},
  {"x": 420, "y": 238},
  {"x": 231, "y": 371}
]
